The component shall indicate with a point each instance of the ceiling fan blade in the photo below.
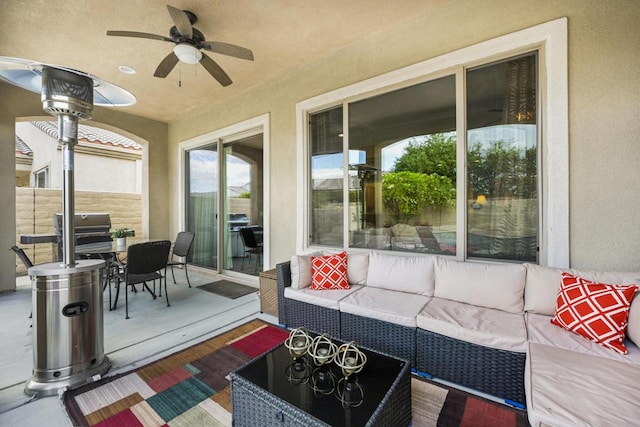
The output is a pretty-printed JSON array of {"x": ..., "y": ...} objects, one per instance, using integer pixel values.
[
  {"x": 229, "y": 49},
  {"x": 166, "y": 65},
  {"x": 215, "y": 70},
  {"x": 181, "y": 21},
  {"x": 139, "y": 35}
]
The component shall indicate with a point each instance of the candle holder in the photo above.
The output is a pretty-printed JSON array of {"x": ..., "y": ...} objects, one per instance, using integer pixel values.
[
  {"x": 298, "y": 342},
  {"x": 322, "y": 350},
  {"x": 350, "y": 359}
]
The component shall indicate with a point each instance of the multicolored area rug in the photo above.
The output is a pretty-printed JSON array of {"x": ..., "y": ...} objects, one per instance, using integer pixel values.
[{"x": 191, "y": 388}]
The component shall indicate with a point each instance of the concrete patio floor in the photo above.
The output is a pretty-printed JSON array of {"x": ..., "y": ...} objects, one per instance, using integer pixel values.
[{"x": 153, "y": 331}]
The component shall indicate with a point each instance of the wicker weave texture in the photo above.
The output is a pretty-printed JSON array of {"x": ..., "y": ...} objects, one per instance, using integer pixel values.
[
  {"x": 283, "y": 278},
  {"x": 314, "y": 317},
  {"x": 253, "y": 406},
  {"x": 396, "y": 340},
  {"x": 494, "y": 371}
]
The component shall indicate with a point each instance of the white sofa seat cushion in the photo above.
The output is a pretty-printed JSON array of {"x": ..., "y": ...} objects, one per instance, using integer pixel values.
[
  {"x": 401, "y": 273},
  {"x": 499, "y": 286},
  {"x": 322, "y": 298},
  {"x": 396, "y": 307},
  {"x": 567, "y": 388},
  {"x": 541, "y": 331},
  {"x": 478, "y": 325}
]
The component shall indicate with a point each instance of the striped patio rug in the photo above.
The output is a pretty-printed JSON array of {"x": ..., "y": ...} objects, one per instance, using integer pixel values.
[{"x": 191, "y": 388}]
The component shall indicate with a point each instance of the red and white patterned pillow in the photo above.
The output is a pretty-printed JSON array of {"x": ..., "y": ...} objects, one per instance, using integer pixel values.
[
  {"x": 329, "y": 272},
  {"x": 596, "y": 311}
]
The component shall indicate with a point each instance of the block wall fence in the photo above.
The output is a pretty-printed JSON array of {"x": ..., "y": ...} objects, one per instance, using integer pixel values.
[{"x": 35, "y": 208}]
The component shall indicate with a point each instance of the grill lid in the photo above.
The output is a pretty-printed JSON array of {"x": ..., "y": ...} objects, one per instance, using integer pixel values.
[{"x": 85, "y": 223}]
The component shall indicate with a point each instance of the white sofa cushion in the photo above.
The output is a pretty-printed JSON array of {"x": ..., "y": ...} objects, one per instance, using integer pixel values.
[
  {"x": 396, "y": 307},
  {"x": 478, "y": 325},
  {"x": 301, "y": 270},
  {"x": 540, "y": 330},
  {"x": 499, "y": 286},
  {"x": 323, "y": 298},
  {"x": 567, "y": 388},
  {"x": 412, "y": 274},
  {"x": 357, "y": 266},
  {"x": 633, "y": 328},
  {"x": 542, "y": 285}
]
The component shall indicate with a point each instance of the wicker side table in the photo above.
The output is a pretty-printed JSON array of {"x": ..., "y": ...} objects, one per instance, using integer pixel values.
[{"x": 269, "y": 292}]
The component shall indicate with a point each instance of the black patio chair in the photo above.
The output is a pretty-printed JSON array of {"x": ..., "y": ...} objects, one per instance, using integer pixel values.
[
  {"x": 146, "y": 262},
  {"x": 25, "y": 260},
  {"x": 251, "y": 245},
  {"x": 108, "y": 257},
  {"x": 182, "y": 249},
  {"x": 23, "y": 256}
]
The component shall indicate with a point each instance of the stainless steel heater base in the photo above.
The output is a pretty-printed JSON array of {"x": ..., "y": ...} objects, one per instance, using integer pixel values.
[{"x": 68, "y": 333}]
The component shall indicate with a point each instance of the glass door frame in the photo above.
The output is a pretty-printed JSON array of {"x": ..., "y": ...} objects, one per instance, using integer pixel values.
[{"x": 255, "y": 126}]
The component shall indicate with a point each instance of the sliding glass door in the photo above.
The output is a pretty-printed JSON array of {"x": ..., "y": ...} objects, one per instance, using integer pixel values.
[
  {"x": 202, "y": 185},
  {"x": 217, "y": 209}
]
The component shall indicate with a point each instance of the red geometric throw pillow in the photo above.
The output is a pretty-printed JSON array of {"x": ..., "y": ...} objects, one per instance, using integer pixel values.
[
  {"x": 329, "y": 272},
  {"x": 596, "y": 311}
]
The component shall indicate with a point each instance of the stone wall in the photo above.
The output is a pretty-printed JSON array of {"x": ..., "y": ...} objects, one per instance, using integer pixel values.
[{"x": 35, "y": 208}]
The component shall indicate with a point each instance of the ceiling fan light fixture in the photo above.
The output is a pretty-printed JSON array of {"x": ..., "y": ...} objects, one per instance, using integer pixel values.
[{"x": 187, "y": 53}]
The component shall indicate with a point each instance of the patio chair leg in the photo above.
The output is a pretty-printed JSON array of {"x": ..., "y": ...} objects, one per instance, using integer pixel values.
[
  {"x": 166, "y": 294},
  {"x": 126, "y": 302},
  {"x": 115, "y": 303},
  {"x": 186, "y": 274}
]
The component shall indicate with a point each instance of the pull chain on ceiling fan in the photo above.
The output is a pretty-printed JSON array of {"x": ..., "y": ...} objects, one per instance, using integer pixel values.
[{"x": 189, "y": 43}]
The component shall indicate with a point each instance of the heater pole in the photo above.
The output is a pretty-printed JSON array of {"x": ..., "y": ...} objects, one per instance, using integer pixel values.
[{"x": 68, "y": 138}]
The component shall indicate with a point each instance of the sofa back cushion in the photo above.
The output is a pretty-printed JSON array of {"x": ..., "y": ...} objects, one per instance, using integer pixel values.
[
  {"x": 413, "y": 274},
  {"x": 357, "y": 266},
  {"x": 633, "y": 328},
  {"x": 486, "y": 285},
  {"x": 301, "y": 270},
  {"x": 543, "y": 283}
]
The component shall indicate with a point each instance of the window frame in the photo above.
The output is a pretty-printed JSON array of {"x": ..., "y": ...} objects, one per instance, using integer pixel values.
[
  {"x": 549, "y": 40},
  {"x": 44, "y": 170}
]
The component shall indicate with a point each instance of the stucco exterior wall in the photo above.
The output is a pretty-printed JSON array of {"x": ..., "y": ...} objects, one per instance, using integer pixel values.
[
  {"x": 92, "y": 172},
  {"x": 603, "y": 128}
]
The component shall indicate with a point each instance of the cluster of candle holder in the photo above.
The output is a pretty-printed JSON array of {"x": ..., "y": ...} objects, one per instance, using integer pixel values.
[{"x": 321, "y": 351}]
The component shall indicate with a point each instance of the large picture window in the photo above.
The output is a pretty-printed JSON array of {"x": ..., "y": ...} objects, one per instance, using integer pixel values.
[{"x": 385, "y": 170}]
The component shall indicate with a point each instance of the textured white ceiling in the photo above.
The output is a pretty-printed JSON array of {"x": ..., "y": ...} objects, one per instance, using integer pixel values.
[{"x": 283, "y": 35}]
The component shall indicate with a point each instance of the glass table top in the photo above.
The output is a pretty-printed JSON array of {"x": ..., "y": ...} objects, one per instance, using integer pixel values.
[{"x": 322, "y": 391}]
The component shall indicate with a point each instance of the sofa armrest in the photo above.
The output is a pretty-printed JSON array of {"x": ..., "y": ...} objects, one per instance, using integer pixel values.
[{"x": 283, "y": 277}]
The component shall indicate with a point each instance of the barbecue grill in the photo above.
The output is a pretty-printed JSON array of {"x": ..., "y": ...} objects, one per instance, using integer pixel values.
[{"x": 87, "y": 226}]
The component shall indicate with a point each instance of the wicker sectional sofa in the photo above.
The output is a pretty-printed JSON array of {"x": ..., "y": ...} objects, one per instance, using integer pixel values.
[{"x": 485, "y": 326}]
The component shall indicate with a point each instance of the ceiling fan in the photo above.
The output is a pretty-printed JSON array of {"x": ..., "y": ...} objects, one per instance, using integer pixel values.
[{"x": 189, "y": 43}]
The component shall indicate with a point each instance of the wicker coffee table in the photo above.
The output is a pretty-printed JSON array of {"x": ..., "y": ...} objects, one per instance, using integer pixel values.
[{"x": 271, "y": 390}]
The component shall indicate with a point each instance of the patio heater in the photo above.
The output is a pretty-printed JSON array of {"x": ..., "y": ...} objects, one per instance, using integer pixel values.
[{"x": 68, "y": 330}]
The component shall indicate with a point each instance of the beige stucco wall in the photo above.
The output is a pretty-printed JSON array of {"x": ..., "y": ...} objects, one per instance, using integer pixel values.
[
  {"x": 603, "y": 93},
  {"x": 17, "y": 103}
]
